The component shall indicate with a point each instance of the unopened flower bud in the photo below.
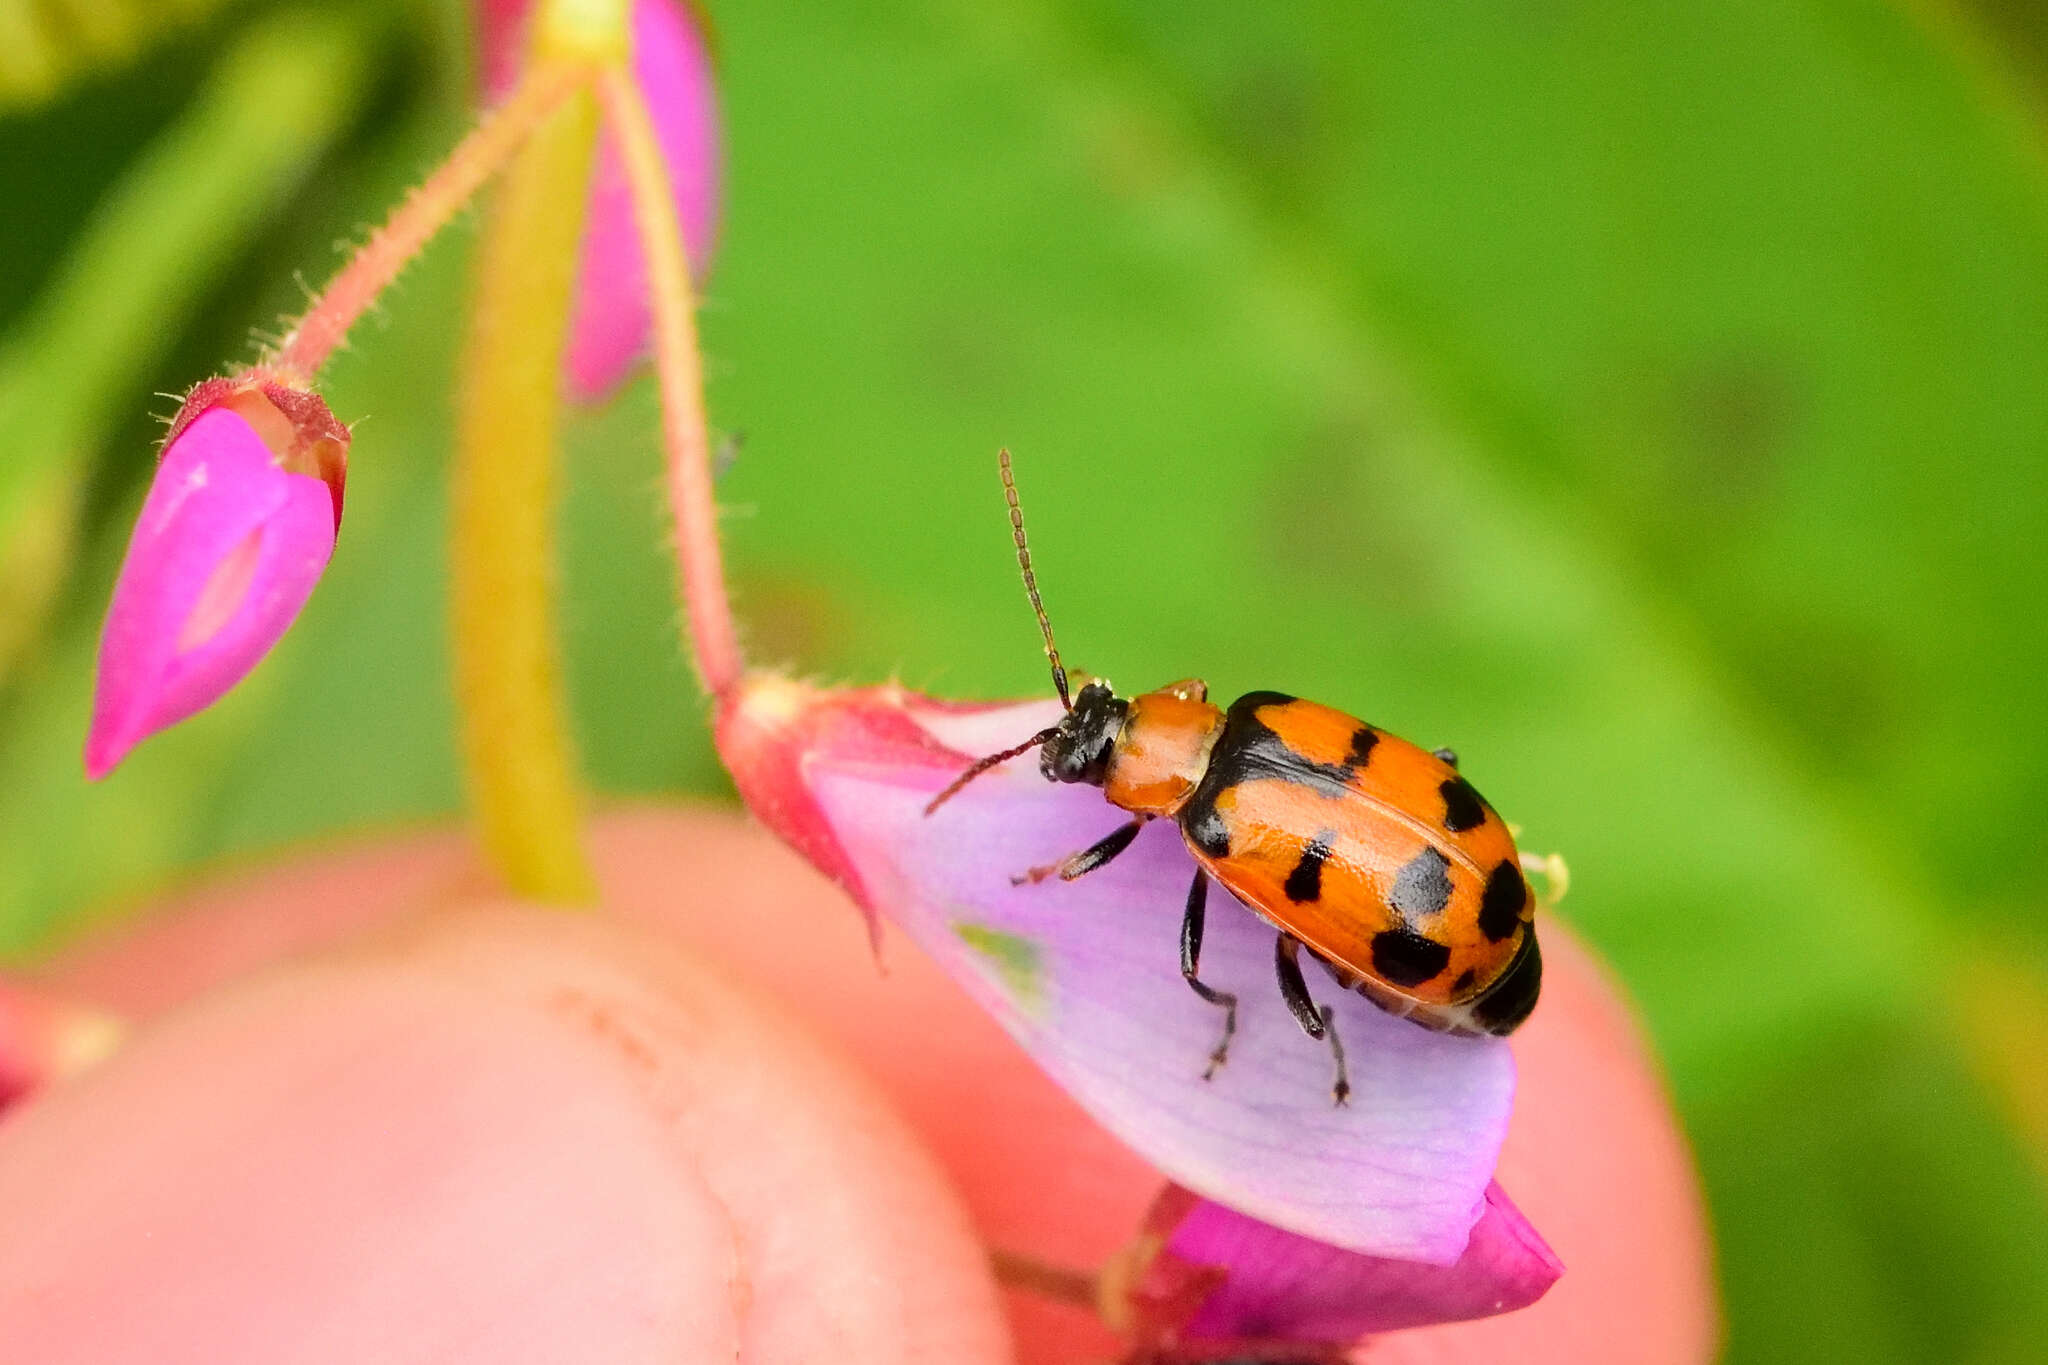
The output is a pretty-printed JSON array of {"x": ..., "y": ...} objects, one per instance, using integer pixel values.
[
  {"x": 238, "y": 527},
  {"x": 672, "y": 66}
]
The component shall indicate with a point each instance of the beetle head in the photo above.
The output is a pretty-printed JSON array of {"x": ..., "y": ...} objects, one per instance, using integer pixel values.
[{"x": 1079, "y": 748}]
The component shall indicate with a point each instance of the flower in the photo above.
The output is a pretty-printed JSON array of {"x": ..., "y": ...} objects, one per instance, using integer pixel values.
[
  {"x": 1389, "y": 1196},
  {"x": 237, "y": 528},
  {"x": 672, "y": 65}
]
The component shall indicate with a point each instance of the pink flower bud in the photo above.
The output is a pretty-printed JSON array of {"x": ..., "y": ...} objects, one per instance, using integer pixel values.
[
  {"x": 672, "y": 65},
  {"x": 237, "y": 528}
]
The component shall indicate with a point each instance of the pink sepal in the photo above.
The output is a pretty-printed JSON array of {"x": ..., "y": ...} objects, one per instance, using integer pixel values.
[{"x": 1219, "y": 1277}]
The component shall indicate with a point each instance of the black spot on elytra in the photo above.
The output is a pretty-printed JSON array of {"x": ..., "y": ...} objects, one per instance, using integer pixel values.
[
  {"x": 1249, "y": 749},
  {"x": 1463, "y": 809},
  {"x": 1500, "y": 907},
  {"x": 1502, "y": 1009},
  {"x": 1305, "y": 882},
  {"x": 1467, "y": 979},
  {"x": 1205, "y": 828},
  {"x": 1403, "y": 957},
  {"x": 1423, "y": 886},
  {"x": 1362, "y": 740}
]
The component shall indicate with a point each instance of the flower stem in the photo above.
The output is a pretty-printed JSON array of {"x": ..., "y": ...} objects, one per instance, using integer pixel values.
[
  {"x": 679, "y": 369},
  {"x": 425, "y": 212},
  {"x": 516, "y": 748},
  {"x": 1062, "y": 1284}
]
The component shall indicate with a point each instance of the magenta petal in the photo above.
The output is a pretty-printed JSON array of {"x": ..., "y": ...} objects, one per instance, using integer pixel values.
[
  {"x": 1085, "y": 975},
  {"x": 610, "y": 330},
  {"x": 226, "y": 551},
  {"x": 1278, "y": 1286},
  {"x": 500, "y": 45}
]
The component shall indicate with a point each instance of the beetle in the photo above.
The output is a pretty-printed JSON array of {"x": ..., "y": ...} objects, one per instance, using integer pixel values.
[{"x": 1368, "y": 854}]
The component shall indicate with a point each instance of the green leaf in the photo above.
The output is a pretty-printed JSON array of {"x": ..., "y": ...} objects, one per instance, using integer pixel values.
[
  {"x": 45, "y": 45},
  {"x": 161, "y": 237}
]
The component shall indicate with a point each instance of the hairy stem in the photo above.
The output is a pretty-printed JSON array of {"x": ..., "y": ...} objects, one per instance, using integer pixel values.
[
  {"x": 518, "y": 756},
  {"x": 679, "y": 369},
  {"x": 1063, "y": 1284},
  {"x": 425, "y": 212}
]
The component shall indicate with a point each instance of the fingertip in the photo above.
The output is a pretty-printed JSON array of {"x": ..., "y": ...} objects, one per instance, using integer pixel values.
[{"x": 507, "y": 1135}]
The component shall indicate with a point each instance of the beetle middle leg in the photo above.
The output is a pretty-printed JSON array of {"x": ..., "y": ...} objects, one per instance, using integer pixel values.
[
  {"x": 1089, "y": 858},
  {"x": 1191, "y": 962},
  {"x": 1316, "y": 1023}
]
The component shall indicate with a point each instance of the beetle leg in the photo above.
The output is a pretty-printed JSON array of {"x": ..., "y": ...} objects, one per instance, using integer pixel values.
[
  {"x": 1449, "y": 756},
  {"x": 1191, "y": 961},
  {"x": 1340, "y": 1092},
  {"x": 1316, "y": 1023},
  {"x": 1557, "y": 878},
  {"x": 1089, "y": 858}
]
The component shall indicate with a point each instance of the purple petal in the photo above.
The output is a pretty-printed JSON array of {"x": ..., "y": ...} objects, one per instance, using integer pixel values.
[
  {"x": 1085, "y": 975},
  {"x": 610, "y": 330},
  {"x": 1254, "y": 1281},
  {"x": 226, "y": 551}
]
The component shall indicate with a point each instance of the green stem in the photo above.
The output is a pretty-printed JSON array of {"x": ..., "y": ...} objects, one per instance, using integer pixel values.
[{"x": 517, "y": 752}]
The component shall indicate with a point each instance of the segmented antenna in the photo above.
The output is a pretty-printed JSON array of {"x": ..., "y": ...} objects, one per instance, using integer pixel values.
[
  {"x": 1052, "y": 653},
  {"x": 983, "y": 765}
]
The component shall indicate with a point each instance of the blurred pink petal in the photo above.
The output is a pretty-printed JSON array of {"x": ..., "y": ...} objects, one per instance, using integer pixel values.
[
  {"x": 1085, "y": 974},
  {"x": 1222, "y": 1277},
  {"x": 228, "y": 547},
  {"x": 610, "y": 330},
  {"x": 500, "y": 45},
  {"x": 44, "y": 1036}
]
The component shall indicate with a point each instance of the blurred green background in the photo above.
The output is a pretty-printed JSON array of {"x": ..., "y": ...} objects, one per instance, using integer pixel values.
[{"x": 1651, "y": 401}]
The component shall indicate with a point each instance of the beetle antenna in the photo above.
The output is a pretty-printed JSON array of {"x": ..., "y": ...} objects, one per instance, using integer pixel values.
[
  {"x": 1052, "y": 653},
  {"x": 983, "y": 765}
]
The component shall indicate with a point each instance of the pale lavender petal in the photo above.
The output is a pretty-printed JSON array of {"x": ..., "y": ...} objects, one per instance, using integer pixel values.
[
  {"x": 610, "y": 330},
  {"x": 1279, "y": 1286},
  {"x": 1085, "y": 975},
  {"x": 226, "y": 551}
]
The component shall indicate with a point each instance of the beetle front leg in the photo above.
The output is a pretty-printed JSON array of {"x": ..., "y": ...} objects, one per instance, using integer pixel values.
[{"x": 1089, "y": 858}]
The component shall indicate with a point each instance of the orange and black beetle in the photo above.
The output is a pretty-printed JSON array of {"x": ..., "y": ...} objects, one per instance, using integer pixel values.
[{"x": 1373, "y": 855}]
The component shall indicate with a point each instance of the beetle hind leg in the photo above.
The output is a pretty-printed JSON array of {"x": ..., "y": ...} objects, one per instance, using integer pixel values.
[
  {"x": 1190, "y": 964},
  {"x": 1316, "y": 1023}
]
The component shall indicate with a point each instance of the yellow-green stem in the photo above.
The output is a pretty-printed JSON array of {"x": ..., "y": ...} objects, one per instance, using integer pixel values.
[{"x": 517, "y": 751}]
